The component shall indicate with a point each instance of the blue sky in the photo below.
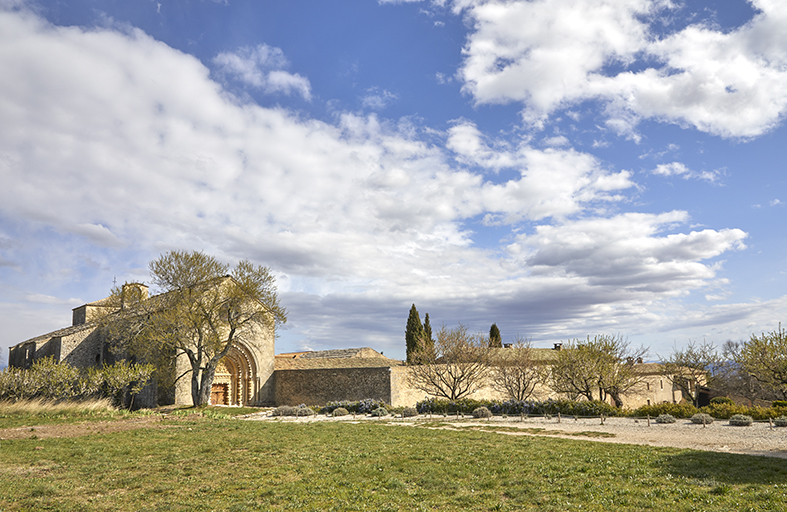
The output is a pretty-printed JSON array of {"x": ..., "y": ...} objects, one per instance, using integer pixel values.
[{"x": 562, "y": 168}]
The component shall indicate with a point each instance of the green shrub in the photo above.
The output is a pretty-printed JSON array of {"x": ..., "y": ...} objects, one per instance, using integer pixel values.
[
  {"x": 284, "y": 410},
  {"x": 781, "y": 421},
  {"x": 741, "y": 420},
  {"x": 364, "y": 406},
  {"x": 482, "y": 412},
  {"x": 303, "y": 410},
  {"x": 665, "y": 418},
  {"x": 518, "y": 407},
  {"x": 409, "y": 412},
  {"x": 702, "y": 418},
  {"x": 340, "y": 411},
  {"x": 722, "y": 400},
  {"x": 50, "y": 380},
  {"x": 379, "y": 412},
  {"x": 779, "y": 403},
  {"x": 676, "y": 410}
]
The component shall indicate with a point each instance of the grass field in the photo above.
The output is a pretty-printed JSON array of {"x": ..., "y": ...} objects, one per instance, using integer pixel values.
[{"x": 201, "y": 463}]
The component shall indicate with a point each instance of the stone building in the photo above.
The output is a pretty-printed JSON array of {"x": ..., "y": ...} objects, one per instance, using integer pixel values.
[
  {"x": 244, "y": 377},
  {"x": 251, "y": 374}
]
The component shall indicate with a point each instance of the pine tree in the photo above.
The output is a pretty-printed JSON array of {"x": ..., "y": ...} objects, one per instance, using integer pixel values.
[
  {"x": 414, "y": 332},
  {"x": 495, "y": 340}
]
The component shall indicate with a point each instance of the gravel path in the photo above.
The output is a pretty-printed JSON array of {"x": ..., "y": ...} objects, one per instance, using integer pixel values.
[{"x": 758, "y": 439}]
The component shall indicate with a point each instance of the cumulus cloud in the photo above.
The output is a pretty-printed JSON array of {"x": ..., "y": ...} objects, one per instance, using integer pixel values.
[
  {"x": 626, "y": 251},
  {"x": 550, "y": 54},
  {"x": 109, "y": 168},
  {"x": 378, "y": 99},
  {"x": 262, "y": 67},
  {"x": 680, "y": 169}
]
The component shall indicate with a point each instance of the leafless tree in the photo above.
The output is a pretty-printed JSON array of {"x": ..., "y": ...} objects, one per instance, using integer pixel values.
[
  {"x": 764, "y": 358},
  {"x": 691, "y": 367},
  {"x": 515, "y": 371},
  {"x": 455, "y": 366},
  {"x": 596, "y": 368}
]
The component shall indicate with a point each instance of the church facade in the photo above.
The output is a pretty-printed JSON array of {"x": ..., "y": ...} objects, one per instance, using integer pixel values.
[{"x": 244, "y": 376}]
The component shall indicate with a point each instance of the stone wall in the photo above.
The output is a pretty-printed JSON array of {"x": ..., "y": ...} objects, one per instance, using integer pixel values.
[{"x": 318, "y": 387}]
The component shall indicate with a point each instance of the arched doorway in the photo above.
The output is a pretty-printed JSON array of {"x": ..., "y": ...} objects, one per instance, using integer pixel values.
[{"x": 235, "y": 381}]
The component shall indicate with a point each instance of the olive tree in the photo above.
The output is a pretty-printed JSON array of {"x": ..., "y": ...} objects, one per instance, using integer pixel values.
[
  {"x": 452, "y": 367},
  {"x": 205, "y": 308}
]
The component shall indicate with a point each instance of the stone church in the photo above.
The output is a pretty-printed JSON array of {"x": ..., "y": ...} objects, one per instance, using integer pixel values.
[
  {"x": 243, "y": 377},
  {"x": 251, "y": 374}
]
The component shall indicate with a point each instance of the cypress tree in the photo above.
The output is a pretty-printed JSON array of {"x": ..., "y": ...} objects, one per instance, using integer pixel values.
[
  {"x": 428, "y": 330},
  {"x": 495, "y": 340},
  {"x": 414, "y": 332}
]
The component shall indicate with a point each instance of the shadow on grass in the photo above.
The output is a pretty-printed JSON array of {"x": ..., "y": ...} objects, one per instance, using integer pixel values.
[{"x": 731, "y": 469}]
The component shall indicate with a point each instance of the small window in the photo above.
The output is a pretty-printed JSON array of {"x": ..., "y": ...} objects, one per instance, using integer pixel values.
[
  {"x": 648, "y": 402},
  {"x": 647, "y": 386},
  {"x": 661, "y": 383},
  {"x": 98, "y": 358}
]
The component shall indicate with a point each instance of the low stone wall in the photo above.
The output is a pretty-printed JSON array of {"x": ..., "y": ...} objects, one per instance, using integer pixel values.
[{"x": 320, "y": 386}]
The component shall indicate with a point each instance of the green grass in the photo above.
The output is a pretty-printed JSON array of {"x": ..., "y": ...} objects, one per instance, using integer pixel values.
[
  {"x": 42, "y": 412},
  {"x": 234, "y": 465}
]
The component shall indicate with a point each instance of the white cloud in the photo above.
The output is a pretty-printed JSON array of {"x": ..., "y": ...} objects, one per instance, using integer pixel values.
[
  {"x": 550, "y": 54},
  {"x": 262, "y": 68},
  {"x": 775, "y": 202},
  {"x": 680, "y": 169},
  {"x": 48, "y": 299},
  {"x": 626, "y": 252},
  {"x": 361, "y": 213},
  {"x": 377, "y": 99}
]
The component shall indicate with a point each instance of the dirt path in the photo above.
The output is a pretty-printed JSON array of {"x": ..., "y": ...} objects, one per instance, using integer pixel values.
[{"x": 80, "y": 429}]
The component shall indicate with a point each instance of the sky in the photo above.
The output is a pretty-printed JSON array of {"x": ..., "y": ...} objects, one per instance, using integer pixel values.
[{"x": 561, "y": 168}]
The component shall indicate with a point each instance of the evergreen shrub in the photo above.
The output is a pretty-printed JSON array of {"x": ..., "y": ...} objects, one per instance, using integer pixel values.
[
  {"x": 676, "y": 410},
  {"x": 482, "y": 412},
  {"x": 665, "y": 418},
  {"x": 379, "y": 412},
  {"x": 702, "y": 418},
  {"x": 741, "y": 420},
  {"x": 364, "y": 406},
  {"x": 722, "y": 400},
  {"x": 284, "y": 410},
  {"x": 519, "y": 407},
  {"x": 340, "y": 411},
  {"x": 409, "y": 412},
  {"x": 781, "y": 421}
]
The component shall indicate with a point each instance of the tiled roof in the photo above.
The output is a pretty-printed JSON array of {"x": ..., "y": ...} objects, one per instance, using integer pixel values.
[
  {"x": 301, "y": 363},
  {"x": 58, "y": 333}
]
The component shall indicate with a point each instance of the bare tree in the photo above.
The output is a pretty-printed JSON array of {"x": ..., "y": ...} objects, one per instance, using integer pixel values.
[
  {"x": 692, "y": 367},
  {"x": 515, "y": 372},
  {"x": 604, "y": 364},
  {"x": 455, "y": 366},
  {"x": 205, "y": 309},
  {"x": 764, "y": 358}
]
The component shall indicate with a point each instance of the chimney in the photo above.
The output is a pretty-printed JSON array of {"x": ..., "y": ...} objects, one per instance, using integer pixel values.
[{"x": 558, "y": 346}]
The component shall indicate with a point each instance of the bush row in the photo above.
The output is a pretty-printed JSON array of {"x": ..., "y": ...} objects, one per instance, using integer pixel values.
[
  {"x": 50, "y": 380},
  {"x": 519, "y": 407},
  {"x": 365, "y": 406},
  {"x": 720, "y": 411}
]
